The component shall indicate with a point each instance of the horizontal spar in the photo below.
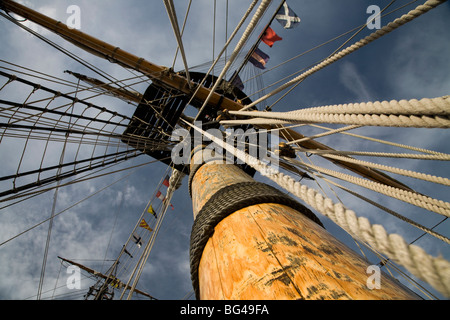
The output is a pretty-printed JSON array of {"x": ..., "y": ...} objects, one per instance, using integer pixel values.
[{"x": 112, "y": 53}]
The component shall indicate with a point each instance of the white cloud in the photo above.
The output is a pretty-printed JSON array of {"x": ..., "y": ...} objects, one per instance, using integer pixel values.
[
  {"x": 416, "y": 63},
  {"x": 354, "y": 82}
]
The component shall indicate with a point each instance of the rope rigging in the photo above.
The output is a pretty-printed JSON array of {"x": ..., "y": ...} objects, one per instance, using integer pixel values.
[
  {"x": 176, "y": 29},
  {"x": 418, "y": 11},
  {"x": 65, "y": 124},
  {"x": 62, "y": 124},
  {"x": 90, "y": 127},
  {"x": 256, "y": 17},
  {"x": 424, "y": 113},
  {"x": 174, "y": 183}
]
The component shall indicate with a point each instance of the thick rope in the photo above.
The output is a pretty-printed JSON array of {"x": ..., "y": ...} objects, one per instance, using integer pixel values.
[
  {"x": 353, "y": 119},
  {"x": 417, "y": 199},
  {"x": 439, "y": 157},
  {"x": 418, "y": 11},
  {"x": 407, "y": 173},
  {"x": 359, "y": 119},
  {"x": 390, "y": 143},
  {"x": 424, "y": 113},
  {"x": 425, "y": 106},
  {"x": 434, "y": 270},
  {"x": 392, "y": 212}
]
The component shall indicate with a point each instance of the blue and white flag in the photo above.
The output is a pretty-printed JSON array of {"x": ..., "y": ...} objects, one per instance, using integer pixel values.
[
  {"x": 259, "y": 59},
  {"x": 286, "y": 17}
]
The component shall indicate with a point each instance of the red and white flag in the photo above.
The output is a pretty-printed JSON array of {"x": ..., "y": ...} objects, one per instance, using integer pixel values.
[{"x": 161, "y": 197}]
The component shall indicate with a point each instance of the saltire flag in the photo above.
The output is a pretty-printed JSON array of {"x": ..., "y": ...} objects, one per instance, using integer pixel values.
[
  {"x": 269, "y": 37},
  {"x": 144, "y": 225},
  {"x": 166, "y": 181},
  {"x": 150, "y": 210},
  {"x": 137, "y": 240},
  {"x": 161, "y": 197},
  {"x": 259, "y": 59},
  {"x": 286, "y": 17},
  {"x": 236, "y": 81}
]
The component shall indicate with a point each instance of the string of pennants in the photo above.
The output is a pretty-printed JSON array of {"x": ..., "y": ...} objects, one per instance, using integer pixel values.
[
  {"x": 136, "y": 238},
  {"x": 288, "y": 19},
  {"x": 160, "y": 196}
]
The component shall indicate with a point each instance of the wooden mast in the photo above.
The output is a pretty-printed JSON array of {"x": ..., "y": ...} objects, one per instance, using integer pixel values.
[{"x": 250, "y": 241}]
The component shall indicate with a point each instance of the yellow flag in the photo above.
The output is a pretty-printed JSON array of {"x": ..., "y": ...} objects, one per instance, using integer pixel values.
[
  {"x": 144, "y": 224},
  {"x": 150, "y": 210}
]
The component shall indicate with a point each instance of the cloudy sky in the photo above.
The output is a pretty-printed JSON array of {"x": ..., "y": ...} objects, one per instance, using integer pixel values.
[{"x": 411, "y": 62}]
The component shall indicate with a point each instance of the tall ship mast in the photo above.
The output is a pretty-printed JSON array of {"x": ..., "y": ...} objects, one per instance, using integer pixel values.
[{"x": 234, "y": 178}]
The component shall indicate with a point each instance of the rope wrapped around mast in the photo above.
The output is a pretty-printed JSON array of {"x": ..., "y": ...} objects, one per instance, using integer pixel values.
[{"x": 227, "y": 201}]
